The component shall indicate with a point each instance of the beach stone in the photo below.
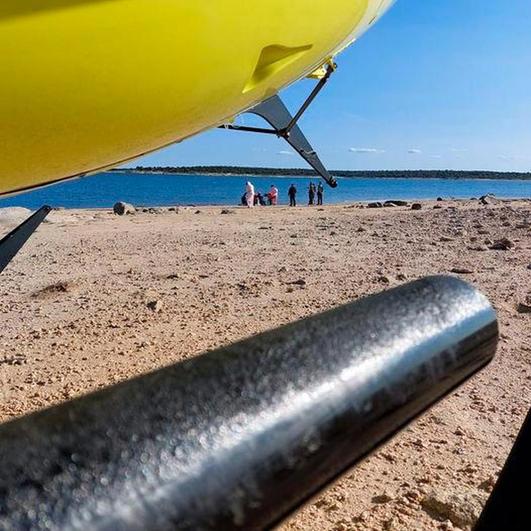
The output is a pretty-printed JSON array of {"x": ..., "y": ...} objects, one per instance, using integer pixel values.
[
  {"x": 488, "y": 199},
  {"x": 375, "y": 204},
  {"x": 461, "y": 270},
  {"x": 300, "y": 282},
  {"x": 525, "y": 306},
  {"x": 461, "y": 508},
  {"x": 416, "y": 206},
  {"x": 227, "y": 211},
  {"x": 155, "y": 306},
  {"x": 121, "y": 208},
  {"x": 382, "y": 498},
  {"x": 396, "y": 202},
  {"x": 504, "y": 244},
  {"x": 488, "y": 484},
  {"x": 440, "y": 199}
]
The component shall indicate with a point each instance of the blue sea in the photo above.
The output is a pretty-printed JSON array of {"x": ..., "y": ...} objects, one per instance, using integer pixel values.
[{"x": 103, "y": 190}]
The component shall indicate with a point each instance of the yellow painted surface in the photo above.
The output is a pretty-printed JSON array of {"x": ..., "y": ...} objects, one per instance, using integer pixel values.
[{"x": 87, "y": 84}]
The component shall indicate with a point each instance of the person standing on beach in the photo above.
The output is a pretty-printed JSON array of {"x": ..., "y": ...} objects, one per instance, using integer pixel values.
[
  {"x": 249, "y": 194},
  {"x": 292, "y": 193},
  {"x": 273, "y": 195},
  {"x": 320, "y": 192},
  {"x": 311, "y": 194}
]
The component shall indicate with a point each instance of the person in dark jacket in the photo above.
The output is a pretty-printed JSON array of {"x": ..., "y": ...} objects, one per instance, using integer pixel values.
[
  {"x": 320, "y": 192},
  {"x": 292, "y": 194},
  {"x": 311, "y": 194}
]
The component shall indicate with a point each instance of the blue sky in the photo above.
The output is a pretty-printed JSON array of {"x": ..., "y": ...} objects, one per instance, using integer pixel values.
[{"x": 435, "y": 84}]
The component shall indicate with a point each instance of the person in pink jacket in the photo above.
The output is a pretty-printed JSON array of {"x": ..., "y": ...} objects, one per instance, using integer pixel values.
[
  {"x": 273, "y": 195},
  {"x": 249, "y": 194}
]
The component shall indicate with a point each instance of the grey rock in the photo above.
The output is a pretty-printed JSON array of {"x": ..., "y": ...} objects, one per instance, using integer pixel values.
[
  {"x": 525, "y": 306},
  {"x": 395, "y": 202},
  {"x": 382, "y": 498},
  {"x": 416, "y": 206},
  {"x": 300, "y": 282},
  {"x": 155, "y": 306},
  {"x": 375, "y": 204},
  {"x": 461, "y": 270},
  {"x": 121, "y": 208},
  {"x": 488, "y": 199},
  {"x": 504, "y": 244}
]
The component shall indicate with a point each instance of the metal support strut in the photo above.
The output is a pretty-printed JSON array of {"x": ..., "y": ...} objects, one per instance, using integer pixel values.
[
  {"x": 11, "y": 244},
  {"x": 285, "y": 126}
]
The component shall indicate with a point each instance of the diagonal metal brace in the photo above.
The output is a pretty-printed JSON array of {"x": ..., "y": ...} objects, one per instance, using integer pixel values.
[
  {"x": 285, "y": 126},
  {"x": 11, "y": 244}
]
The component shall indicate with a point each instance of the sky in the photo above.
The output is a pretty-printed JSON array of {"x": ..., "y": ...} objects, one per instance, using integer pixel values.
[{"x": 435, "y": 84}]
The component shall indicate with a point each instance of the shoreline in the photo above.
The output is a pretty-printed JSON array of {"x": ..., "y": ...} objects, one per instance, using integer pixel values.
[{"x": 303, "y": 206}]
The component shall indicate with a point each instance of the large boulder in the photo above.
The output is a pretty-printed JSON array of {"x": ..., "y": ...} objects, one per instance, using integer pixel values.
[{"x": 121, "y": 208}]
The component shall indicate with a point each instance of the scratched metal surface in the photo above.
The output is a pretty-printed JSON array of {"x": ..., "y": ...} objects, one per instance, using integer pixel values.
[{"x": 240, "y": 437}]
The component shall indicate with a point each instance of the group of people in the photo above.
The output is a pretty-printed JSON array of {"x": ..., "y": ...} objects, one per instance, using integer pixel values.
[{"x": 252, "y": 198}]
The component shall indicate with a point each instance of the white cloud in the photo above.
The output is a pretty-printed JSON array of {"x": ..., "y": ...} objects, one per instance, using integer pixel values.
[
  {"x": 366, "y": 150},
  {"x": 458, "y": 150},
  {"x": 436, "y": 157},
  {"x": 414, "y": 151},
  {"x": 288, "y": 153}
]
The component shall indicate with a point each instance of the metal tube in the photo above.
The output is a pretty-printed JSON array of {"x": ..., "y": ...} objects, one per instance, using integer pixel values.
[{"x": 242, "y": 436}]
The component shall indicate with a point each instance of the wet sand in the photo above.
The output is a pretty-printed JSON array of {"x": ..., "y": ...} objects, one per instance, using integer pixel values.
[{"x": 96, "y": 298}]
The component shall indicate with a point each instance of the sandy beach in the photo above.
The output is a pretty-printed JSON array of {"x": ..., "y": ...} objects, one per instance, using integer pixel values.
[{"x": 96, "y": 298}]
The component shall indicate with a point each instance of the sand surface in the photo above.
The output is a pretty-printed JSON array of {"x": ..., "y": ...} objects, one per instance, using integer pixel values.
[{"x": 95, "y": 298}]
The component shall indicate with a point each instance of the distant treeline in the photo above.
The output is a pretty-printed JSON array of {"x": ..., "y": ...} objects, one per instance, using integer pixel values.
[{"x": 248, "y": 170}]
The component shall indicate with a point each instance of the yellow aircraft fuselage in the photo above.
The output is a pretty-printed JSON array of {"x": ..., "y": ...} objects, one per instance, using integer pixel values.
[{"x": 89, "y": 84}]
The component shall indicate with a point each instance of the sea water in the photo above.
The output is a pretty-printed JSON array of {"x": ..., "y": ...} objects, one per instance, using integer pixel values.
[{"x": 103, "y": 190}]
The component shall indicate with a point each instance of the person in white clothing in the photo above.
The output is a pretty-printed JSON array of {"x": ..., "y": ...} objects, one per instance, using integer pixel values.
[{"x": 249, "y": 194}]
